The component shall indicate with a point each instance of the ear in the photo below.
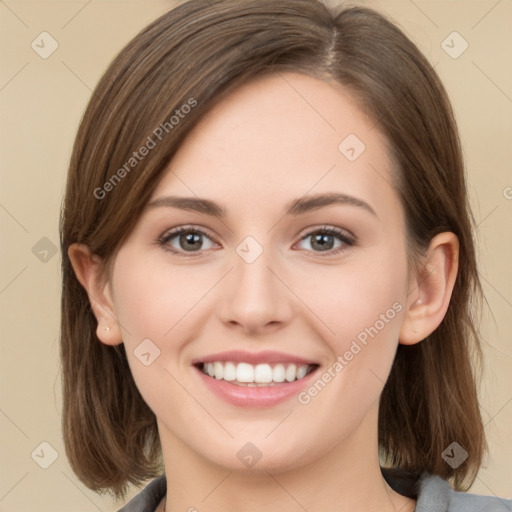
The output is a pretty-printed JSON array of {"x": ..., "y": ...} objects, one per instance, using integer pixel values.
[
  {"x": 431, "y": 289},
  {"x": 89, "y": 269}
]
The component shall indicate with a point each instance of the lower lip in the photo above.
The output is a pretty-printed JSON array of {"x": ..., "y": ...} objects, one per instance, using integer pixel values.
[{"x": 245, "y": 396}]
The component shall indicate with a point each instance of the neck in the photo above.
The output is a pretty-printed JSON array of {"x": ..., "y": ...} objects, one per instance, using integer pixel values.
[{"x": 339, "y": 480}]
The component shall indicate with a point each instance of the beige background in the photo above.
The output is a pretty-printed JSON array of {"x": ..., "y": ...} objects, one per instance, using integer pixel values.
[{"x": 42, "y": 100}]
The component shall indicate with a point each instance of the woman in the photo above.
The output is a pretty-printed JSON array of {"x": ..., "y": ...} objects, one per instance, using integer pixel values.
[{"x": 268, "y": 270}]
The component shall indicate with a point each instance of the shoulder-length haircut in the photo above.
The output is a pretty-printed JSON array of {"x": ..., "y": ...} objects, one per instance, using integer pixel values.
[{"x": 194, "y": 55}]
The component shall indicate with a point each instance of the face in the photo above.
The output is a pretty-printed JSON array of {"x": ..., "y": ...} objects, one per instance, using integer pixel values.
[{"x": 272, "y": 289}]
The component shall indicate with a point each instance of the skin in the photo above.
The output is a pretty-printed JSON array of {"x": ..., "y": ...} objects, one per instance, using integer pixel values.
[{"x": 273, "y": 140}]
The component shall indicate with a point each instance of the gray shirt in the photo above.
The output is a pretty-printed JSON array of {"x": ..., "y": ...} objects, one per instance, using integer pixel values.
[{"x": 434, "y": 495}]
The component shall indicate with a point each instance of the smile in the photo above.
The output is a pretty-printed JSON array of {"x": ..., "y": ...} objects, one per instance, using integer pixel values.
[
  {"x": 254, "y": 379},
  {"x": 259, "y": 375}
]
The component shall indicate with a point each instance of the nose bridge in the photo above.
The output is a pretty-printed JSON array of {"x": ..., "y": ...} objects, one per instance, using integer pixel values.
[{"x": 256, "y": 297}]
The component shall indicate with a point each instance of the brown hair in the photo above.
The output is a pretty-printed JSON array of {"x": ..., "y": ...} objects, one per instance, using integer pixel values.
[{"x": 194, "y": 55}]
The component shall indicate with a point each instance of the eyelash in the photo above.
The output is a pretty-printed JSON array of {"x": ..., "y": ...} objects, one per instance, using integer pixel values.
[{"x": 329, "y": 230}]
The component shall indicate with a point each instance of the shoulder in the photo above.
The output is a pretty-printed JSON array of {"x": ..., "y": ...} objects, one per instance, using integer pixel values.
[
  {"x": 148, "y": 499},
  {"x": 436, "y": 495}
]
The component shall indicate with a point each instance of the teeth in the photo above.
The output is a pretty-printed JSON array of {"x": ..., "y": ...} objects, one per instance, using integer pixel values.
[
  {"x": 245, "y": 372},
  {"x": 218, "y": 370},
  {"x": 278, "y": 373},
  {"x": 291, "y": 373},
  {"x": 301, "y": 372},
  {"x": 263, "y": 373},
  {"x": 229, "y": 372},
  {"x": 255, "y": 375}
]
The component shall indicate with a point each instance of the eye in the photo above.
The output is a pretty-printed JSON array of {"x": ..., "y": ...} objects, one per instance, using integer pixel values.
[
  {"x": 185, "y": 239},
  {"x": 191, "y": 240},
  {"x": 323, "y": 240}
]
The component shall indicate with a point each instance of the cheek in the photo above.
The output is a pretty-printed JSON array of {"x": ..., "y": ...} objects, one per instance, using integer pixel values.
[
  {"x": 160, "y": 303},
  {"x": 362, "y": 304},
  {"x": 363, "y": 295},
  {"x": 152, "y": 301}
]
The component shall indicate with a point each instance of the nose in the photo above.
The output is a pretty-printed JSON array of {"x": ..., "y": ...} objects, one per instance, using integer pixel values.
[{"x": 255, "y": 297}]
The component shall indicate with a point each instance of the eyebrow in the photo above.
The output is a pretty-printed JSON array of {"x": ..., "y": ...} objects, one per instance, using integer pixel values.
[{"x": 296, "y": 207}]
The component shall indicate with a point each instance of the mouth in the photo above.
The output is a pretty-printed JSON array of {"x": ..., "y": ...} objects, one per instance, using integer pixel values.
[
  {"x": 255, "y": 380},
  {"x": 255, "y": 375}
]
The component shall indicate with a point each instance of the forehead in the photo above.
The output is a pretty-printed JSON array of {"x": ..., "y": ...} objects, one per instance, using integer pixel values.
[{"x": 280, "y": 136}]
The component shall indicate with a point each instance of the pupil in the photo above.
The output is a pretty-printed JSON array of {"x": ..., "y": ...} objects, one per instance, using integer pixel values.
[
  {"x": 321, "y": 240},
  {"x": 190, "y": 238}
]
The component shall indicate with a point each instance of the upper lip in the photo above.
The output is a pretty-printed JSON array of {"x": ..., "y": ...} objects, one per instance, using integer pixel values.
[{"x": 240, "y": 356}]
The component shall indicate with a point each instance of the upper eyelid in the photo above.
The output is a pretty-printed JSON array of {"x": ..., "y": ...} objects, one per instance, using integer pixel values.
[
  {"x": 326, "y": 227},
  {"x": 186, "y": 227}
]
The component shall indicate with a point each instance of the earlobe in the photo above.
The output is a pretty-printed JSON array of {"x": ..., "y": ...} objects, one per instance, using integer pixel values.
[
  {"x": 89, "y": 269},
  {"x": 431, "y": 290}
]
